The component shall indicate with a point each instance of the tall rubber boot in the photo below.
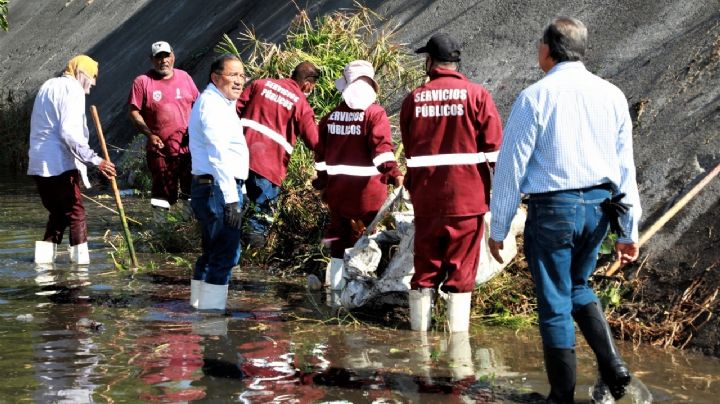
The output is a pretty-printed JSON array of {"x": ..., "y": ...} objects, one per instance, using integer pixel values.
[
  {"x": 335, "y": 274},
  {"x": 79, "y": 254},
  {"x": 421, "y": 308},
  {"x": 45, "y": 252},
  {"x": 212, "y": 297},
  {"x": 195, "y": 288},
  {"x": 458, "y": 311},
  {"x": 560, "y": 367},
  {"x": 613, "y": 371}
]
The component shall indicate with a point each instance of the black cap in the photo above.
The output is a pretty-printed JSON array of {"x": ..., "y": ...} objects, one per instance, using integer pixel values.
[{"x": 442, "y": 47}]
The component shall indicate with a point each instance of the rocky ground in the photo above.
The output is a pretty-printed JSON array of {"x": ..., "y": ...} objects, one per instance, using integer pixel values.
[{"x": 664, "y": 54}]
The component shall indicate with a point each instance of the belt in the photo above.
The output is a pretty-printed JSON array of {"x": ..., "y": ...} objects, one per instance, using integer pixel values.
[
  {"x": 606, "y": 186},
  {"x": 208, "y": 179}
]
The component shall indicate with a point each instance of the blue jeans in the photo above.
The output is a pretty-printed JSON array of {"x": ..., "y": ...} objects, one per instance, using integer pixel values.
[
  {"x": 563, "y": 234},
  {"x": 263, "y": 196},
  {"x": 220, "y": 243}
]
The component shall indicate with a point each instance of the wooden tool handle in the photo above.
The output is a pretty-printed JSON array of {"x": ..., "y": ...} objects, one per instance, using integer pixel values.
[{"x": 669, "y": 214}]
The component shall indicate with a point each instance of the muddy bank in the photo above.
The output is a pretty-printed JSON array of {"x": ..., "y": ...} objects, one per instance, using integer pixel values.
[{"x": 665, "y": 55}]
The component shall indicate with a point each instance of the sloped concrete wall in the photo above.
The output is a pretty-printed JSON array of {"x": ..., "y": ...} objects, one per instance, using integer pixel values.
[{"x": 664, "y": 54}]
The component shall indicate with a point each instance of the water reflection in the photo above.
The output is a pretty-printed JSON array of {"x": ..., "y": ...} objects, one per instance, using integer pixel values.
[
  {"x": 170, "y": 362},
  {"x": 153, "y": 347},
  {"x": 65, "y": 360}
]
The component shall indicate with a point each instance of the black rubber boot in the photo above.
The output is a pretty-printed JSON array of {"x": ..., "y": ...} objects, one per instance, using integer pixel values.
[
  {"x": 560, "y": 368},
  {"x": 613, "y": 371}
]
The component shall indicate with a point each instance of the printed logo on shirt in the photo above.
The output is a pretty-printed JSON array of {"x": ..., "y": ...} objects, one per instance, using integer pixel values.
[
  {"x": 157, "y": 95},
  {"x": 345, "y": 129},
  {"x": 440, "y": 95},
  {"x": 177, "y": 94},
  {"x": 279, "y": 94}
]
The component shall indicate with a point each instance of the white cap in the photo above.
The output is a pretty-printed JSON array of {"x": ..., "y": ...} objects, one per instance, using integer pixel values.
[
  {"x": 353, "y": 71},
  {"x": 160, "y": 46}
]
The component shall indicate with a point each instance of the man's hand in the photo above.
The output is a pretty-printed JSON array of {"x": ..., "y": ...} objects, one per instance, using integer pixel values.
[
  {"x": 495, "y": 247},
  {"x": 156, "y": 142},
  {"x": 232, "y": 214},
  {"x": 626, "y": 252},
  {"x": 107, "y": 168},
  {"x": 399, "y": 181}
]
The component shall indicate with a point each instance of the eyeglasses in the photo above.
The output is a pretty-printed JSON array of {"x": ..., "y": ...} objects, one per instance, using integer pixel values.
[{"x": 236, "y": 76}]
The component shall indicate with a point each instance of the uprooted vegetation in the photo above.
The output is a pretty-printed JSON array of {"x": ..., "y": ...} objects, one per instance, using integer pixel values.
[{"x": 329, "y": 42}]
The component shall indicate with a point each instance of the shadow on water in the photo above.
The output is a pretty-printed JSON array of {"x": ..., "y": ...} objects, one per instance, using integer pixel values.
[{"x": 85, "y": 334}]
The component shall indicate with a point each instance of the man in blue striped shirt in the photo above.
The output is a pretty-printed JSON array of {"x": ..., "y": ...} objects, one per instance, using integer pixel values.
[{"x": 568, "y": 145}]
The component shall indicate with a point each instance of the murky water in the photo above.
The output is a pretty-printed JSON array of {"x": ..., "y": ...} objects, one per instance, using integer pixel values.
[{"x": 74, "y": 335}]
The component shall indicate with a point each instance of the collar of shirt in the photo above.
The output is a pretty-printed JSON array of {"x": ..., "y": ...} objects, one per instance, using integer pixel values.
[
  {"x": 73, "y": 80},
  {"x": 566, "y": 66},
  {"x": 215, "y": 90},
  {"x": 439, "y": 72}
]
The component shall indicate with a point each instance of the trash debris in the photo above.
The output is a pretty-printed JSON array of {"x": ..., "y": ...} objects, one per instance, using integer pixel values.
[
  {"x": 92, "y": 325},
  {"x": 25, "y": 317},
  {"x": 382, "y": 263}
]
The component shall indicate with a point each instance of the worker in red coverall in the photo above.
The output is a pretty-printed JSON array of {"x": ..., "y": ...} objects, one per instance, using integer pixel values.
[
  {"x": 274, "y": 113},
  {"x": 451, "y": 131},
  {"x": 159, "y": 107},
  {"x": 354, "y": 162}
]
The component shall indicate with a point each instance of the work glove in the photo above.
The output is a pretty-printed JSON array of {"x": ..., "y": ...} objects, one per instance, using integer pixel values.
[
  {"x": 233, "y": 215},
  {"x": 615, "y": 209}
]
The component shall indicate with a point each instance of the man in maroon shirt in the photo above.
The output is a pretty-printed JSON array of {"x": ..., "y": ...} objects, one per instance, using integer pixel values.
[
  {"x": 274, "y": 113},
  {"x": 354, "y": 162},
  {"x": 451, "y": 131},
  {"x": 160, "y": 101}
]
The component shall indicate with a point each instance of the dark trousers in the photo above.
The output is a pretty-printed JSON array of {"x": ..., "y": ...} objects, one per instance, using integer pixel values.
[
  {"x": 263, "y": 196},
  {"x": 61, "y": 196},
  {"x": 343, "y": 231},
  {"x": 447, "y": 251},
  {"x": 220, "y": 243},
  {"x": 169, "y": 172},
  {"x": 563, "y": 234}
]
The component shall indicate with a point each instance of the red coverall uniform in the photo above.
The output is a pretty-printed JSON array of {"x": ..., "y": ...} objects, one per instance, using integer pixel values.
[
  {"x": 165, "y": 107},
  {"x": 274, "y": 113},
  {"x": 354, "y": 162},
  {"x": 450, "y": 129}
]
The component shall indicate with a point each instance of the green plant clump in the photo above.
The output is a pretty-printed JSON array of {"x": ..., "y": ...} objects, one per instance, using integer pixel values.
[
  {"x": 3, "y": 15},
  {"x": 329, "y": 42}
]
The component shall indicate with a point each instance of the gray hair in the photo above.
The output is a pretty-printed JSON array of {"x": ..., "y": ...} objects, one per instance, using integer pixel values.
[{"x": 567, "y": 39}]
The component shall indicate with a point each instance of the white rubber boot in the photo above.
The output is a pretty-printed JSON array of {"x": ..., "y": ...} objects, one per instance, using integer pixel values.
[
  {"x": 420, "y": 309},
  {"x": 212, "y": 297},
  {"x": 333, "y": 298},
  {"x": 159, "y": 203},
  {"x": 460, "y": 355},
  {"x": 458, "y": 311},
  {"x": 79, "y": 254},
  {"x": 195, "y": 288},
  {"x": 335, "y": 274},
  {"x": 45, "y": 252}
]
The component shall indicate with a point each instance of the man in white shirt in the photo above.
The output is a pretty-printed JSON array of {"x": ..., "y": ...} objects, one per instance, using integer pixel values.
[
  {"x": 58, "y": 156},
  {"x": 219, "y": 167},
  {"x": 568, "y": 145}
]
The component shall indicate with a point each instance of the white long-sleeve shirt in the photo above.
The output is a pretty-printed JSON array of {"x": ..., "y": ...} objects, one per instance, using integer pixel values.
[
  {"x": 570, "y": 130},
  {"x": 217, "y": 143},
  {"x": 58, "y": 130}
]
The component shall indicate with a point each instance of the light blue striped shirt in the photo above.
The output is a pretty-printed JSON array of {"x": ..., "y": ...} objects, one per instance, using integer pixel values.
[{"x": 570, "y": 130}]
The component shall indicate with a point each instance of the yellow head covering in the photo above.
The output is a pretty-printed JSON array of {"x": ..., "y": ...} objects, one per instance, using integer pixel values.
[{"x": 82, "y": 63}]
